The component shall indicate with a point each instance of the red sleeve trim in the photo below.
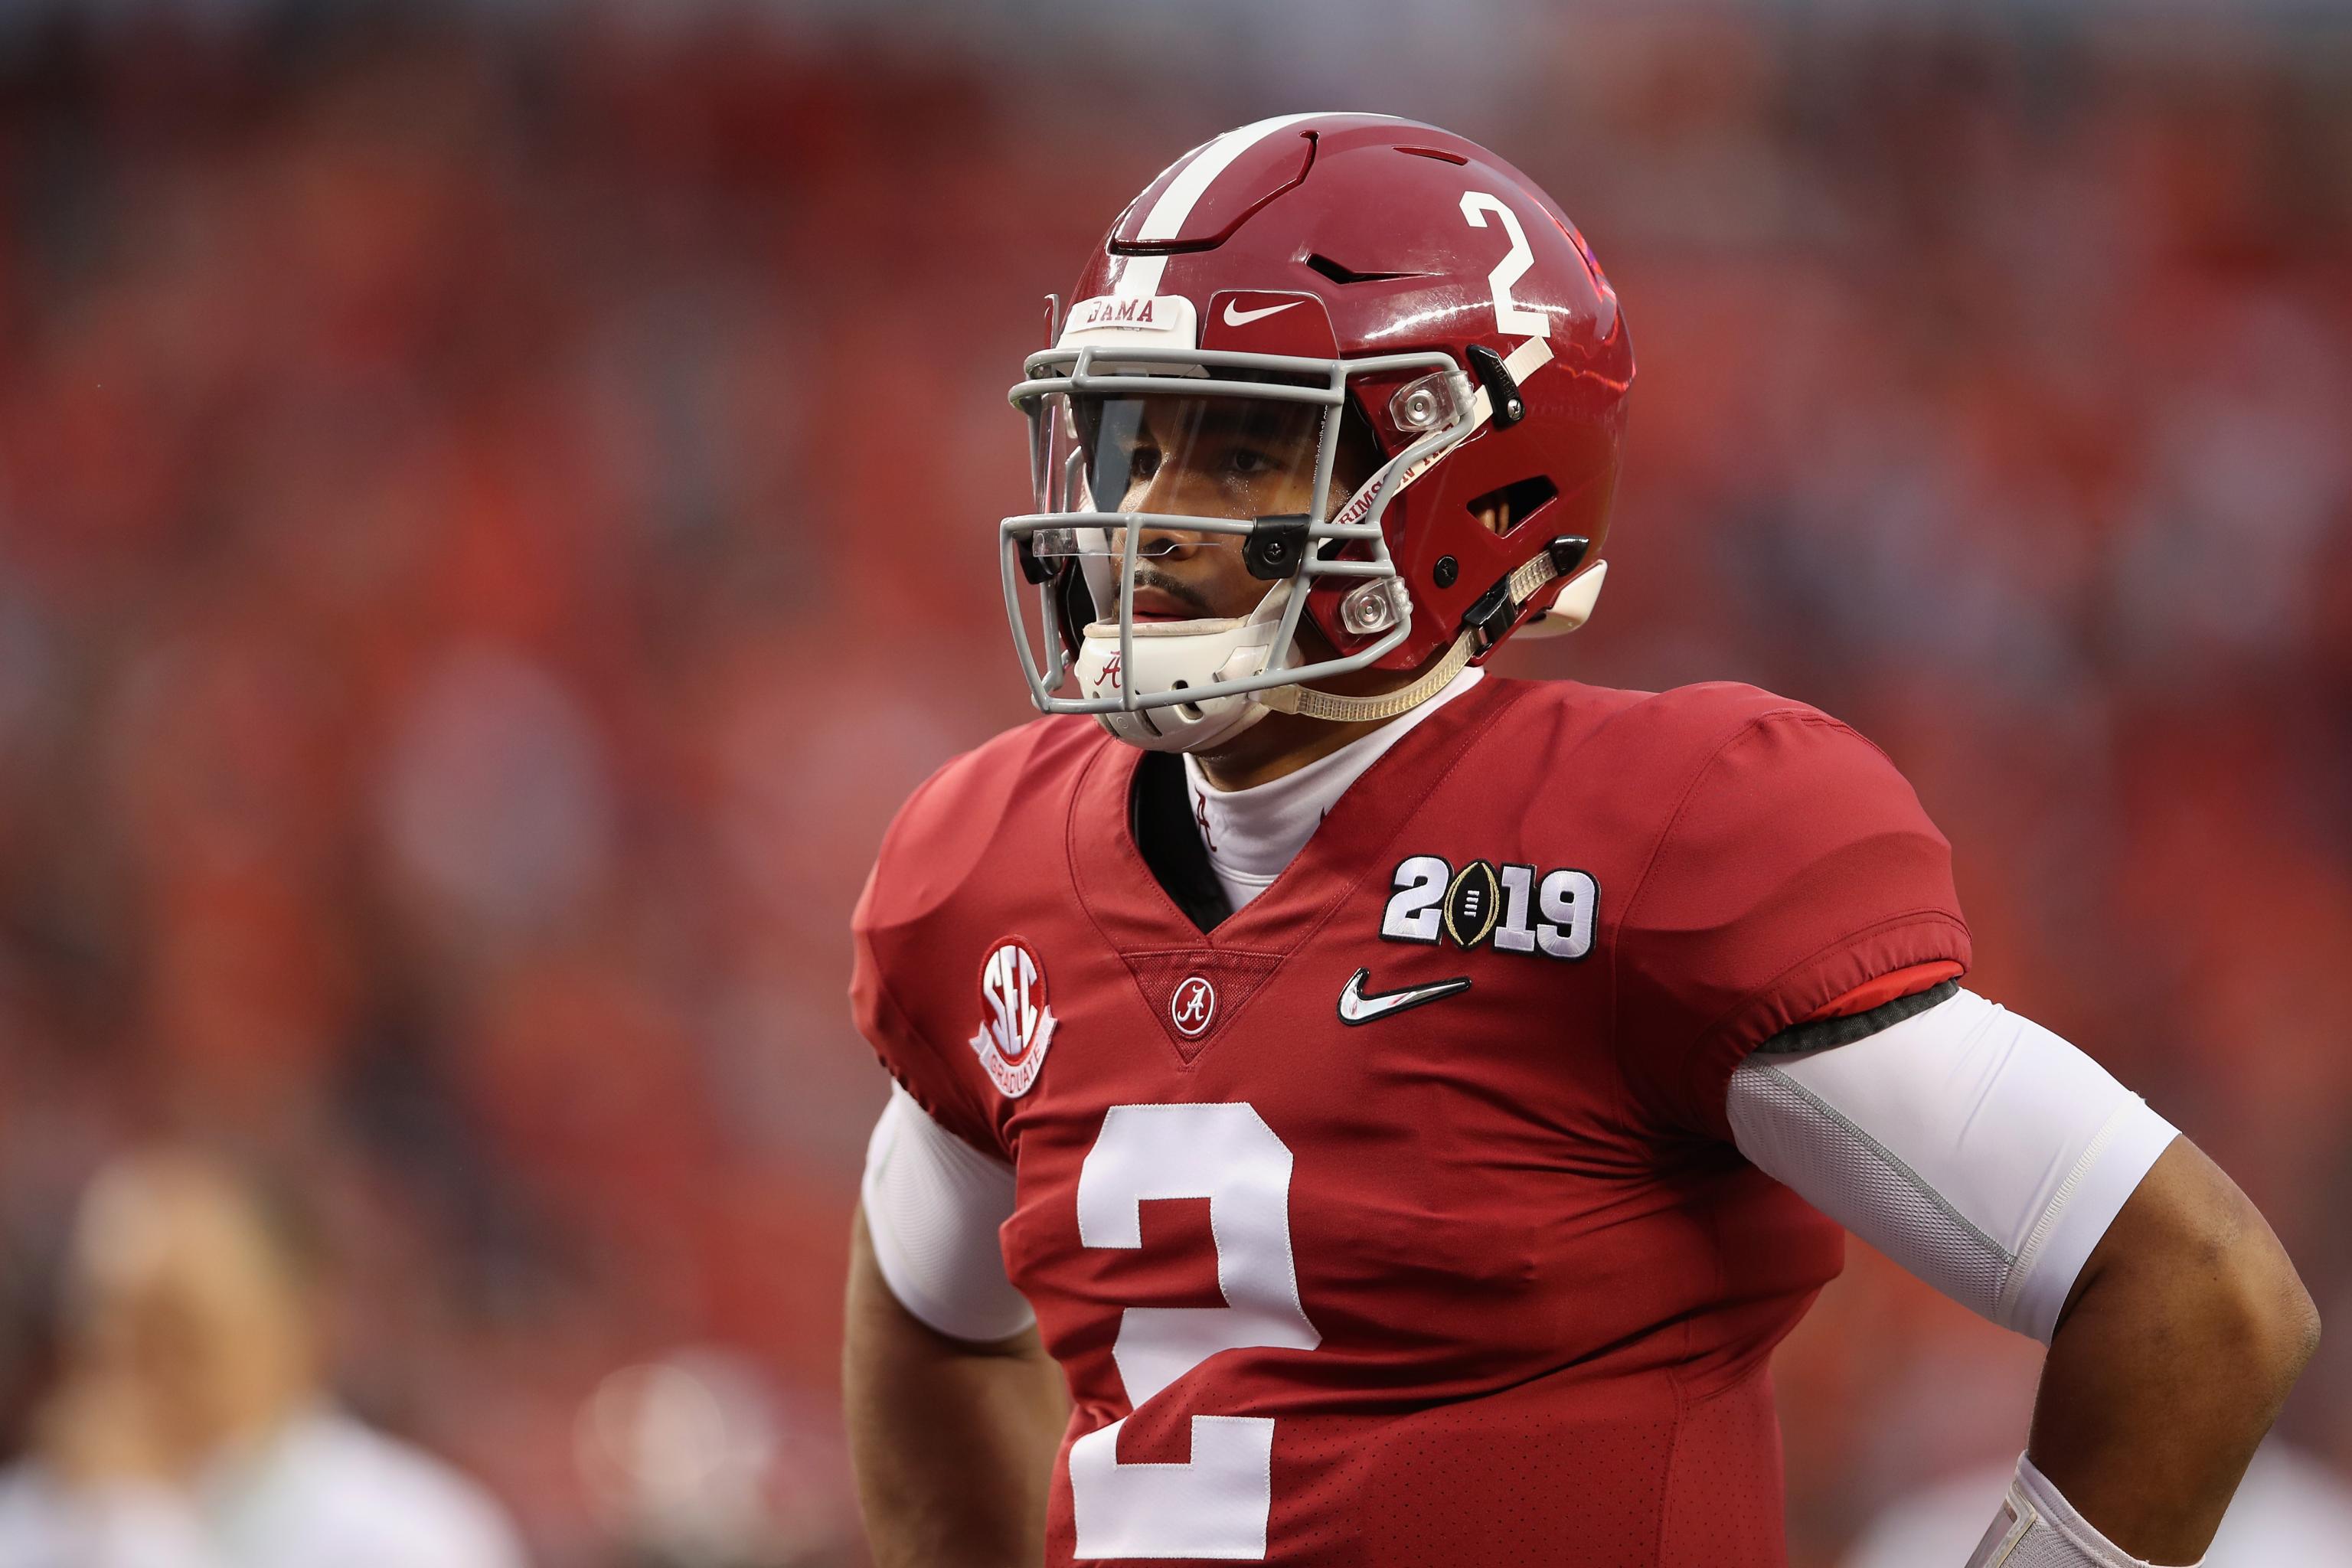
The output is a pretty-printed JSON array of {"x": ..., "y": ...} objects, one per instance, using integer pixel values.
[
  {"x": 1907, "y": 981},
  {"x": 1890, "y": 948}
]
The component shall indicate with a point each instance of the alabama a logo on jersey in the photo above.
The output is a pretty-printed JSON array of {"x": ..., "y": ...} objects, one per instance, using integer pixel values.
[
  {"x": 1015, "y": 1024},
  {"x": 1193, "y": 1007}
]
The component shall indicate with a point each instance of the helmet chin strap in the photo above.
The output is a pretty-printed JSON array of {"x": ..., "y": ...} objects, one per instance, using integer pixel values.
[
  {"x": 1345, "y": 710},
  {"x": 1200, "y": 653},
  {"x": 1569, "y": 610}
]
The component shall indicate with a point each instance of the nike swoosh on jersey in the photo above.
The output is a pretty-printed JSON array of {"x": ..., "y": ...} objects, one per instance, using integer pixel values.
[
  {"x": 1356, "y": 1007},
  {"x": 1244, "y": 318}
]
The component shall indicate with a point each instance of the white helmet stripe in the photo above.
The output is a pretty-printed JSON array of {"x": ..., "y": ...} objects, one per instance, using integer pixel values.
[{"x": 1140, "y": 278}]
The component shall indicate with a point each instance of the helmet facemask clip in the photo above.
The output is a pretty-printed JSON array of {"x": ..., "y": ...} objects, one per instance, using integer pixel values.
[{"x": 1276, "y": 546}]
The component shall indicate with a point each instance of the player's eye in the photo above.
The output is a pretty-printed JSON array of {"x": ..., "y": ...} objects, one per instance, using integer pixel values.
[{"x": 1251, "y": 462}]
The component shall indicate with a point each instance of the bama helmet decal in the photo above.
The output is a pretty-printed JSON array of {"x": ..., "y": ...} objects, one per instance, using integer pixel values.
[{"x": 1016, "y": 1022}]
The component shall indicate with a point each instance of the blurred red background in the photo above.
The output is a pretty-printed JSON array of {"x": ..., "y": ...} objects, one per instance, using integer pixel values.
[{"x": 496, "y": 509}]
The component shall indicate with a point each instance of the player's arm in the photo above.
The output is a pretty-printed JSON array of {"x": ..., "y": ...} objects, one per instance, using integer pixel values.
[
  {"x": 2185, "y": 1331},
  {"x": 954, "y": 1408},
  {"x": 953, "y": 1442},
  {"x": 1798, "y": 936},
  {"x": 2003, "y": 1166}
]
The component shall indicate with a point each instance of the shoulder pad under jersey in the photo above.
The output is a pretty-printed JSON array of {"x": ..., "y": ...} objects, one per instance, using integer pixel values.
[{"x": 949, "y": 824}]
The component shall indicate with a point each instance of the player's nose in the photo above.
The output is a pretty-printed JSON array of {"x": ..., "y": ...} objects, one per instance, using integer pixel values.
[{"x": 1158, "y": 543}]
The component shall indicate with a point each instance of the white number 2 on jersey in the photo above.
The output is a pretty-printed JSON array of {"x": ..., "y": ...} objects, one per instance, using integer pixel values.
[
  {"x": 1216, "y": 1504},
  {"x": 1509, "y": 317}
]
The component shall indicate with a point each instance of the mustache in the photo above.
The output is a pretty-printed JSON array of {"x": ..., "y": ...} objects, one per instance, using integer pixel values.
[{"x": 1184, "y": 594}]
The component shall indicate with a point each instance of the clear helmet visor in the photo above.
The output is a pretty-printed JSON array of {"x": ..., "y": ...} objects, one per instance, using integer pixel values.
[{"x": 1227, "y": 458}]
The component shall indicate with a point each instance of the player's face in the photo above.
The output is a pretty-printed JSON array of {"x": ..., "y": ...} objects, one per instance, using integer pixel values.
[
  {"x": 1238, "y": 456},
  {"x": 1241, "y": 457},
  {"x": 185, "y": 1304}
]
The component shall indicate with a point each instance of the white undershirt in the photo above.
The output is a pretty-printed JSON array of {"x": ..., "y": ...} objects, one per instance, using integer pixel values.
[{"x": 1252, "y": 834}]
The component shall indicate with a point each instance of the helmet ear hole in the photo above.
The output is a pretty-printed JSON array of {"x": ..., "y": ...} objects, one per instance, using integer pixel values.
[{"x": 1507, "y": 510}]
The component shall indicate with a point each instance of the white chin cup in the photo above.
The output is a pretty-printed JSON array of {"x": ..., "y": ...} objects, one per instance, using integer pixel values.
[{"x": 1181, "y": 656}]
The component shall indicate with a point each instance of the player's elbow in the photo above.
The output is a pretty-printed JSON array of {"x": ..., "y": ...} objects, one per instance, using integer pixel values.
[
  {"x": 2260, "y": 1320},
  {"x": 2246, "y": 1315},
  {"x": 2210, "y": 1284}
]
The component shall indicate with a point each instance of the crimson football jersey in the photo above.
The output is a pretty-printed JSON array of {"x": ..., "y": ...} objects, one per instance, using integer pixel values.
[{"x": 1395, "y": 1220}]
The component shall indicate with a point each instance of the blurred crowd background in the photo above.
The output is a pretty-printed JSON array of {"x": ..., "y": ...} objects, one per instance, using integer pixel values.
[{"x": 496, "y": 506}]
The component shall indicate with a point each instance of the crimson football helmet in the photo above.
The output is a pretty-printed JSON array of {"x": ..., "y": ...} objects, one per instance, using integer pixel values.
[{"x": 1391, "y": 291}]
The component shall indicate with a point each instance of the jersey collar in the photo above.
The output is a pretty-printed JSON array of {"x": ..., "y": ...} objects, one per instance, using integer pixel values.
[{"x": 1130, "y": 908}]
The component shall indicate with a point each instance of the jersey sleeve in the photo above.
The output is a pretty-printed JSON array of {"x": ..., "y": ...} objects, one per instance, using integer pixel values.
[
  {"x": 1796, "y": 868},
  {"x": 895, "y": 965}
]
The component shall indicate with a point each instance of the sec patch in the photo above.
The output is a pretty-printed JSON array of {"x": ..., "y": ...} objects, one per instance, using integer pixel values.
[{"x": 1016, "y": 1024}]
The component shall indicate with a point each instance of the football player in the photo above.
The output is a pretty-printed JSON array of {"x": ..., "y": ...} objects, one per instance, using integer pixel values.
[{"x": 1352, "y": 1110}]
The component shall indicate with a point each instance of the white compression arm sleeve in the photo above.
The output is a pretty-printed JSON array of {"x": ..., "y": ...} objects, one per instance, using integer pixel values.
[
  {"x": 1974, "y": 1147},
  {"x": 933, "y": 1204}
]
